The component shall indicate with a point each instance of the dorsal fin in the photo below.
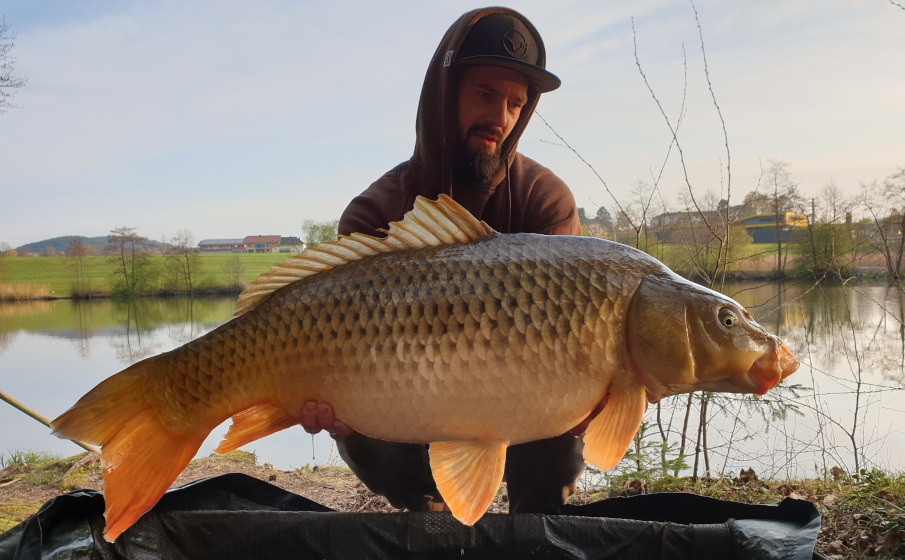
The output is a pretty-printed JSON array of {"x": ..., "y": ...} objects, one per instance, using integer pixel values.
[{"x": 430, "y": 223}]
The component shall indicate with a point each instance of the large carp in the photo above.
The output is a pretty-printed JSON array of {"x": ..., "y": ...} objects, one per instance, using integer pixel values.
[{"x": 444, "y": 332}]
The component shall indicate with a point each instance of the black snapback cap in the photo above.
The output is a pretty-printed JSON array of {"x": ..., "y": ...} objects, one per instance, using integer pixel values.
[{"x": 504, "y": 40}]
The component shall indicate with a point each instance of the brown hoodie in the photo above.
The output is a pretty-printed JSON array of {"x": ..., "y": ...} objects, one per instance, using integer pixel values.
[{"x": 524, "y": 196}]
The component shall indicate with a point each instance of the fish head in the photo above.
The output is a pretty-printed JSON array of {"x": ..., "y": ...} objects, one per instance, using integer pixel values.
[{"x": 682, "y": 337}]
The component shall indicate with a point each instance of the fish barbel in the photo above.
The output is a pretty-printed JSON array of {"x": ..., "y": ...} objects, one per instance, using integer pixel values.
[{"x": 444, "y": 332}]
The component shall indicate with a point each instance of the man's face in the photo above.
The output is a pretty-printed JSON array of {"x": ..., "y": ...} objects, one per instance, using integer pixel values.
[{"x": 489, "y": 104}]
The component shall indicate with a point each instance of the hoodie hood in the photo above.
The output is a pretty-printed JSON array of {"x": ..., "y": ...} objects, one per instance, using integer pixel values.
[{"x": 435, "y": 125}]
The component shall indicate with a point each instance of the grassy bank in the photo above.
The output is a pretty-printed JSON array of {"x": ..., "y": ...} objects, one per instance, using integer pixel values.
[
  {"x": 24, "y": 278},
  {"x": 36, "y": 278}
]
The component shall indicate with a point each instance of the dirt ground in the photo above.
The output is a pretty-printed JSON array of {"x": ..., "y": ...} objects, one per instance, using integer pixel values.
[{"x": 856, "y": 522}]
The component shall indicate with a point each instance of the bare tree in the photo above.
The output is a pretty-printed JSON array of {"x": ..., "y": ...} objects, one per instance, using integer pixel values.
[
  {"x": 5, "y": 250},
  {"x": 886, "y": 205},
  {"x": 784, "y": 198},
  {"x": 234, "y": 269},
  {"x": 826, "y": 245},
  {"x": 8, "y": 80},
  {"x": 79, "y": 283},
  {"x": 183, "y": 254},
  {"x": 129, "y": 251}
]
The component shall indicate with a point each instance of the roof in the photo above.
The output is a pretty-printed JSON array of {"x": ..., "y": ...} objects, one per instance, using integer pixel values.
[
  {"x": 262, "y": 239},
  {"x": 220, "y": 242},
  {"x": 290, "y": 241}
]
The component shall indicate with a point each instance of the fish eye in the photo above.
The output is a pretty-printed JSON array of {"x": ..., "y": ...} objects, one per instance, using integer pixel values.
[{"x": 727, "y": 317}]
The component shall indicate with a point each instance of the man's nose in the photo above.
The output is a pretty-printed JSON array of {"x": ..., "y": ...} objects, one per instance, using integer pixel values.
[{"x": 497, "y": 114}]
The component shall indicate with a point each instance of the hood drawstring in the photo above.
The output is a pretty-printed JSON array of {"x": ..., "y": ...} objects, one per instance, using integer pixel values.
[{"x": 509, "y": 195}]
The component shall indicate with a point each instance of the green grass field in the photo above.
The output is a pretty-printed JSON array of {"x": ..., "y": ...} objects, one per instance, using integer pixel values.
[{"x": 52, "y": 276}]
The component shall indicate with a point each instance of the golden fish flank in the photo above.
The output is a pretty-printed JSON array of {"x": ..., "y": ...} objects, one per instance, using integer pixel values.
[{"x": 446, "y": 333}]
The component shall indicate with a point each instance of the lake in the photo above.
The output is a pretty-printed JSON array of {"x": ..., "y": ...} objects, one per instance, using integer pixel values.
[{"x": 850, "y": 394}]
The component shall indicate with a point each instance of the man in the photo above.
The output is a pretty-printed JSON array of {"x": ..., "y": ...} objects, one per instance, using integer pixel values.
[{"x": 481, "y": 88}]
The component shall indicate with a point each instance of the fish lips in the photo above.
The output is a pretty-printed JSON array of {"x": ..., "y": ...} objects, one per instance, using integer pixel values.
[{"x": 771, "y": 367}]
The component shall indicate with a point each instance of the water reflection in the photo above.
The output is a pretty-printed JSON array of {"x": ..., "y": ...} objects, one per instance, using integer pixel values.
[
  {"x": 851, "y": 342},
  {"x": 137, "y": 329}
]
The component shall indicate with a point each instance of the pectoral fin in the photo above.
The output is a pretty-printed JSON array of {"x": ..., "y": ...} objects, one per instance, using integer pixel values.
[
  {"x": 468, "y": 475},
  {"x": 610, "y": 434},
  {"x": 254, "y": 423}
]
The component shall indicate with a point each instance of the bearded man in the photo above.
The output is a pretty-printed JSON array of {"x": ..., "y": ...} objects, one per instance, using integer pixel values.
[{"x": 481, "y": 88}]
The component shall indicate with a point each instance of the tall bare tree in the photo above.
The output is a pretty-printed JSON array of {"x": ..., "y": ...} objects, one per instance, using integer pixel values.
[
  {"x": 886, "y": 205},
  {"x": 129, "y": 251},
  {"x": 8, "y": 80},
  {"x": 4, "y": 252},
  {"x": 234, "y": 269},
  {"x": 784, "y": 198},
  {"x": 185, "y": 258},
  {"x": 79, "y": 283}
]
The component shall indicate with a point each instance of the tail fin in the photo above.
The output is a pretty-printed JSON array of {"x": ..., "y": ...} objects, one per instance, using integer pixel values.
[{"x": 141, "y": 456}]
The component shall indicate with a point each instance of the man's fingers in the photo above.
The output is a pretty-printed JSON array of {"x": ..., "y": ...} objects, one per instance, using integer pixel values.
[
  {"x": 340, "y": 428},
  {"x": 309, "y": 418},
  {"x": 326, "y": 417}
]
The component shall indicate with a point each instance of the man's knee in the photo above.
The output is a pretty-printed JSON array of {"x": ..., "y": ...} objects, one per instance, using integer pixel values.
[
  {"x": 398, "y": 471},
  {"x": 541, "y": 475}
]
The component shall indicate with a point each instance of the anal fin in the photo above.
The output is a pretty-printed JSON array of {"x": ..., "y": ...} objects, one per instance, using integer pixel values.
[
  {"x": 468, "y": 475},
  {"x": 610, "y": 434},
  {"x": 254, "y": 423}
]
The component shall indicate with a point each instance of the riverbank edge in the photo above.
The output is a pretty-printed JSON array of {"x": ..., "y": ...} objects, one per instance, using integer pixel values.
[{"x": 867, "y": 276}]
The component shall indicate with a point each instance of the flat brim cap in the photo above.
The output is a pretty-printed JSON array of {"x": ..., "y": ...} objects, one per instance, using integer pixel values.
[{"x": 504, "y": 40}]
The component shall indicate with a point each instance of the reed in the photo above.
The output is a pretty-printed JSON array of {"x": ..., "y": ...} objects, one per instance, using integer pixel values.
[{"x": 23, "y": 292}]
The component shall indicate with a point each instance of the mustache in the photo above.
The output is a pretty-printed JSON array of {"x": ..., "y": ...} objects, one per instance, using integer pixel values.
[{"x": 490, "y": 131}]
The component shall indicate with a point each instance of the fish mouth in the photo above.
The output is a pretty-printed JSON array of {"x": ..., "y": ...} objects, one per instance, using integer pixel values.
[{"x": 771, "y": 367}]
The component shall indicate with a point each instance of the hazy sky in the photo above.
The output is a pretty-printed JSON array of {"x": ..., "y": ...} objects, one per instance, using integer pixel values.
[{"x": 233, "y": 118}]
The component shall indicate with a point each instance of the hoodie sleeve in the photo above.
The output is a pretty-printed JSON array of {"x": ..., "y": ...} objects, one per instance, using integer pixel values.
[
  {"x": 544, "y": 202},
  {"x": 385, "y": 200},
  {"x": 361, "y": 216}
]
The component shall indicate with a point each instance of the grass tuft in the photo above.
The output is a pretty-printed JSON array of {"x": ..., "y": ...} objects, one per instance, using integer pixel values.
[{"x": 27, "y": 458}]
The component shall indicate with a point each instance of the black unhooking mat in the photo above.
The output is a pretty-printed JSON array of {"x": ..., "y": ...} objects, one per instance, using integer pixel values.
[{"x": 236, "y": 516}]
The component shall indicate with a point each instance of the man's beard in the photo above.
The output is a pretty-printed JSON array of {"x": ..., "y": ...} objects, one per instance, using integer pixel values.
[{"x": 477, "y": 167}]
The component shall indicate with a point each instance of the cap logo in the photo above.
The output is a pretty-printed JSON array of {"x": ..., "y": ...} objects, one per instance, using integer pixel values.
[
  {"x": 515, "y": 43},
  {"x": 447, "y": 59}
]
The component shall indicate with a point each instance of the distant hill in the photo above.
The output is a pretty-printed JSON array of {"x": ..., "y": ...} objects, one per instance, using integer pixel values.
[{"x": 60, "y": 244}]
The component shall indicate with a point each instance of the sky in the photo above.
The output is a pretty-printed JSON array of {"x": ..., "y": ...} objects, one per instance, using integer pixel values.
[{"x": 230, "y": 118}]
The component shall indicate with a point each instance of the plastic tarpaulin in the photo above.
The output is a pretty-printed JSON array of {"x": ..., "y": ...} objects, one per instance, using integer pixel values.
[{"x": 237, "y": 516}]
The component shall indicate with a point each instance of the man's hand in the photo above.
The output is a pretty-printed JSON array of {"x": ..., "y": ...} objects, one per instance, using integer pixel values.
[
  {"x": 317, "y": 416},
  {"x": 581, "y": 428}
]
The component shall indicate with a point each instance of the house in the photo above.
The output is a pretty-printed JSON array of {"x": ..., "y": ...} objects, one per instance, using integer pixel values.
[
  {"x": 262, "y": 243},
  {"x": 691, "y": 228},
  {"x": 292, "y": 245},
  {"x": 762, "y": 227},
  {"x": 219, "y": 246}
]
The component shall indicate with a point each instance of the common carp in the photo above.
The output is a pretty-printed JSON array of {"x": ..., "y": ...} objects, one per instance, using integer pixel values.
[{"x": 443, "y": 332}]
